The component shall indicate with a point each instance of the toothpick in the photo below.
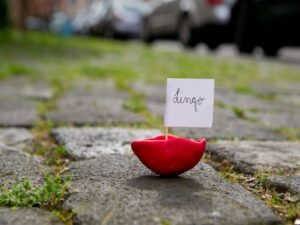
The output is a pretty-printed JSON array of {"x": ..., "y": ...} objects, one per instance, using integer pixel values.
[{"x": 166, "y": 133}]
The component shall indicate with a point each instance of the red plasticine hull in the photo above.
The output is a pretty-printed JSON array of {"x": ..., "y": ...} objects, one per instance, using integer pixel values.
[{"x": 169, "y": 157}]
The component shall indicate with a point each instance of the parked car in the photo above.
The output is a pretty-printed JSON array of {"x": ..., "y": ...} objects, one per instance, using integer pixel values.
[
  {"x": 191, "y": 21},
  {"x": 270, "y": 24},
  {"x": 118, "y": 18},
  {"x": 80, "y": 23}
]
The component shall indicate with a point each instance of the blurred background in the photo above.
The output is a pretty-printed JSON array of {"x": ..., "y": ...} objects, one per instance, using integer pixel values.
[{"x": 246, "y": 25}]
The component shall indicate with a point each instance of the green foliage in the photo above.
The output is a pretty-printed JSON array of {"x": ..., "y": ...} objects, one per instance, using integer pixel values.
[
  {"x": 165, "y": 222},
  {"x": 24, "y": 194},
  {"x": 292, "y": 134},
  {"x": 60, "y": 151},
  {"x": 240, "y": 113},
  {"x": 243, "y": 89},
  {"x": 43, "y": 126},
  {"x": 15, "y": 70},
  {"x": 44, "y": 107},
  {"x": 135, "y": 104}
]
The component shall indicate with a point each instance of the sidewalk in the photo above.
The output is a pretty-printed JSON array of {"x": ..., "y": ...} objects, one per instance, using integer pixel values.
[{"x": 110, "y": 186}]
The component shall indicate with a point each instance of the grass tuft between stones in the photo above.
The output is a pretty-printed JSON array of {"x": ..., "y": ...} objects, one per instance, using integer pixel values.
[
  {"x": 48, "y": 196},
  {"x": 283, "y": 204}
]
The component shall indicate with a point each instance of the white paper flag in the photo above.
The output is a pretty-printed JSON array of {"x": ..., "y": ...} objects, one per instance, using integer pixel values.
[{"x": 189, "y": 102}]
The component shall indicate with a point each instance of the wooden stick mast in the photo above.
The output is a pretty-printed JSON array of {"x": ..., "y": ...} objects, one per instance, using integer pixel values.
[{"x": 166, "y": 133}]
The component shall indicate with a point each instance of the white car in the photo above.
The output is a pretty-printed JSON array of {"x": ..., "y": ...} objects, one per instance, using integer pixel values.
[{"x": 118, "y": 18}]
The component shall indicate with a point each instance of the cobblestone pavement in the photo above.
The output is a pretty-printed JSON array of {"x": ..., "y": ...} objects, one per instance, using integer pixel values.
[{"x": 110, "y": 186}]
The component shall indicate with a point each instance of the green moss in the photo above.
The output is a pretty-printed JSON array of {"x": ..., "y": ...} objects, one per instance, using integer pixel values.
[
  {"x": 66, "y": 216},
  {"x": 24, "y": 194},
  {"x": 165, "y": 222},
  {"x": 240, "y": 113},
  {"x": 135, "y": 104},
  {"x": 292, "y": 134},
  {"x": 243, "y": 89},
  {"x": 15, "y": 70},
  {"x": 44, "y": 107}
]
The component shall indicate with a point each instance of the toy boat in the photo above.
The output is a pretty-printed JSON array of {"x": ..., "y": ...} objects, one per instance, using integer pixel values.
[{"x": 169, "y": 157}]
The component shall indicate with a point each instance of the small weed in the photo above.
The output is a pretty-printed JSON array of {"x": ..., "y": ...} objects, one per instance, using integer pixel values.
[
  {"x": 65, "y": 216},
  {"x": 42, "y": 129},
  {"x": 60, "y": 151},
  {"x": 165, "y": 222},
  {"x": 243, "y": 89},
  {"x": 292, "y": 134},
  {"x": 219, "y": 104},
  {"x": 24, "y": 194},
  {"x": 240, "y": 113},
  {"x": 44, "y": 107},
  {"x": 135, "y": 104},
  {"x": 15, "y": 70}
]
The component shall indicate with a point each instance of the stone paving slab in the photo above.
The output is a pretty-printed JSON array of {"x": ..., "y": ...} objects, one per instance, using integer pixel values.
[
  {"x": 27, "y": 216},
  {"x": 17, "y": 112},
  {"x": 115, "y": 189},
  {"x": 16, "y": 168},
  {"x": 156, "y": 108},
  {"x": 278, "y": 120},
  {"x": 227, "y": 126},
  {"x": 230, "y": 98},
  {"x": 24, "y": 87},
  {"x": 93, "y": 102},
  {"x": 152, "y": 92},
  {"x": 272, "y": 89},
  {"x": 258, "y": 156},
  {"x": 82, "y": 143},
  {"x": 286, "y": 184},
  {"x": 98, "y": 88},
  {"x": 90, "y": 109},
  {"x": 15, "y": 139}
]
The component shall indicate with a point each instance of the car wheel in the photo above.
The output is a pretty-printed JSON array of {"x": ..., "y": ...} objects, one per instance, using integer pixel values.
[
  {"x": 145, "y": 35},
  {"x": 245, "y": 28},
  {"x": 213, "y": 45},
  {"x": 271, "y": 51},
  {"x": 109, "y": 32},
  {"x": 186, "y": 34}
]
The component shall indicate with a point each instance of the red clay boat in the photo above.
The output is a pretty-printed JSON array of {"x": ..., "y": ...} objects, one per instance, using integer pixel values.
[{"x": 169, "y": 157}]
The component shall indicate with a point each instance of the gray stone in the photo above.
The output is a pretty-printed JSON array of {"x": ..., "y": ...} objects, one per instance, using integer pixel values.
[
  {"x": 227, "y": 126},
  {"x": 27, "y": 216},
  {"x": 15, "y": 139},
  {"x": 278, "y": 120},
  {"x": 84, "y": 143},
  {"x": 24, "y": 87},
  {"x": 115, "y": 189},
  {"x": 247, "y": 102},
  {"x": 152, "y": 92},
  {"x": 250, "y": 103},
  {"x": 96, "y": 88},
  {"x": 290, "y": 99},
  {"x": 286, "y": 184},
  {"x": 156, "y": 108},
  {"x": 258, "y": 156},
  {"x": 16, "y": 168},
  {"x": 17, "y": 112},
  {"x": 90, "y": 109}
]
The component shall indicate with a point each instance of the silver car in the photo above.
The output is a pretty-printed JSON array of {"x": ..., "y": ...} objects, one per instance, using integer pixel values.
[
  {"x": 191, "y": 21},
  {"x": 118, "y": 18}
]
